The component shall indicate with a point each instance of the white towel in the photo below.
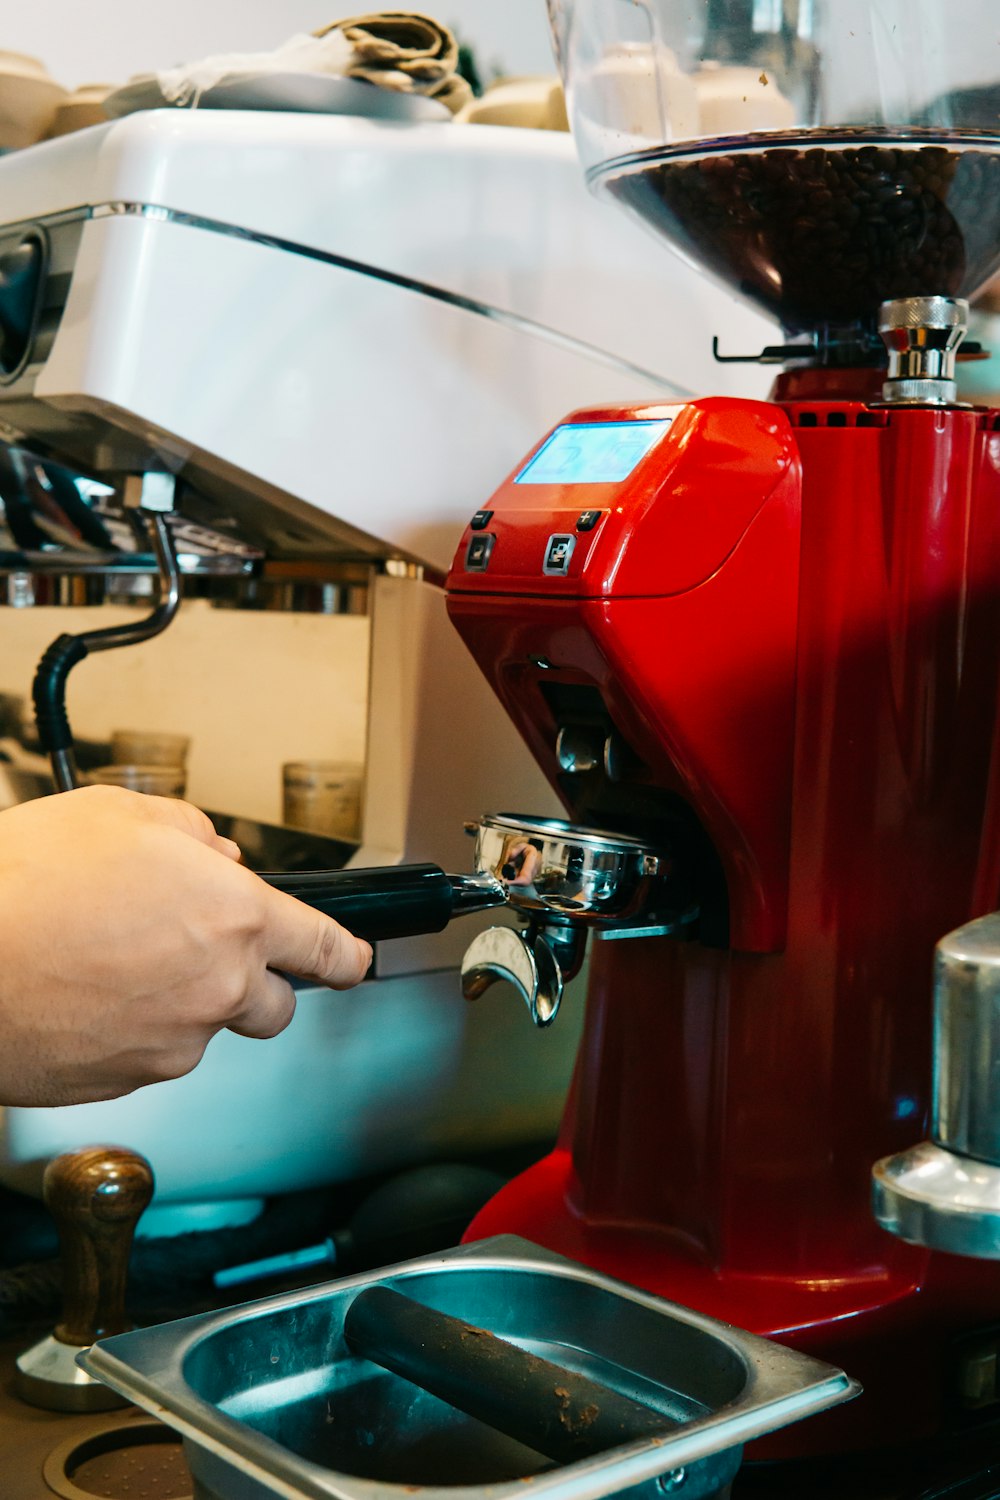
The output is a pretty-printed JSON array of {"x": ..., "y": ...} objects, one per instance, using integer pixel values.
[{"x": 399, "y": 50}]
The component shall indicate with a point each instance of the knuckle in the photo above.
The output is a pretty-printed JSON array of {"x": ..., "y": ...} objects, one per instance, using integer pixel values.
[
  {"x": 328, "y": 948},
  {"x": 233, "y": 990},
  {"x": 200, "y": 822},
  {"x": 270, "y": 1015},
  {"x": 176, "y": 1062},
  {"x": 186, "y": 1060},
  {"x": 280, "y": 1015},
  {"x": 105, "y": 796}
]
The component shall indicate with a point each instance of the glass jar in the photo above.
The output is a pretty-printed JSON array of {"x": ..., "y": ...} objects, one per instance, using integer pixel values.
[
  {"x": 323, "y": 796},
  {"x": 148, "y": 747},
  {"x": 160, "y": 781}
]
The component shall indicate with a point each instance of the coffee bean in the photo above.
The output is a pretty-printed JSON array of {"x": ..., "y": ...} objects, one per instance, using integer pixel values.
[{"x": 825, "y": 233}]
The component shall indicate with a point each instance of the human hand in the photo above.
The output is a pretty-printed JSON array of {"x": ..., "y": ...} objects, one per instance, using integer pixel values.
[
  {"x": 130, "y": 935},
  {"x": 521, "y": 863}
]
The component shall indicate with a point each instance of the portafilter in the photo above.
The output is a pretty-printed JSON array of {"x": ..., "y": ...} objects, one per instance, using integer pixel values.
[{"x": 560, "y": 879}]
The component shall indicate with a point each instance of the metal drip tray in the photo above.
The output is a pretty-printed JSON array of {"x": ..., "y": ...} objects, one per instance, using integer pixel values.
[{"x": 272, "y": 1402}]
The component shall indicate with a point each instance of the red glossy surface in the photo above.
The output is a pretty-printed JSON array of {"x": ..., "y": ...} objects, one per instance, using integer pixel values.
[
  {"x": 827, "y": 702},
  {"x": 690, "y": 500},
  {"x": 700, "y": 680}
]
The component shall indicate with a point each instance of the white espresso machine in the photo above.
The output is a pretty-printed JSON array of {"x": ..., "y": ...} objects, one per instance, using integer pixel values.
[{"x": 337, "y": 334}]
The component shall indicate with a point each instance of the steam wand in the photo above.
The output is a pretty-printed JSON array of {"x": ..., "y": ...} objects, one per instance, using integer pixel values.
[{"x": 150, "y": 497}]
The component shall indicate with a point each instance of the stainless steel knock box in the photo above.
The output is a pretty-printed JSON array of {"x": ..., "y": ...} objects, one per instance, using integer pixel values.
[{"x": 271, "y": 1400}]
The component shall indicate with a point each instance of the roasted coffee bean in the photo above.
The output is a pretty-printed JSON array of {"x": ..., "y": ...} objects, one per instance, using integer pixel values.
[{"x": 825, "y": 233}]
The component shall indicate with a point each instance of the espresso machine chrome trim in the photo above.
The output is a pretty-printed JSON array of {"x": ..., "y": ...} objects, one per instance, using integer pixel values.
[
  {"x": 393, "y": 278},
  {"x": 945, "y": 1192},
  {"x": 36, "y": 230}
]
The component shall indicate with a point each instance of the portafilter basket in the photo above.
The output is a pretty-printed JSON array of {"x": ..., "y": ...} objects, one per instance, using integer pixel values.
[
  {"x": 564, "y": 880},
  {"x": 559, "y": 870}
]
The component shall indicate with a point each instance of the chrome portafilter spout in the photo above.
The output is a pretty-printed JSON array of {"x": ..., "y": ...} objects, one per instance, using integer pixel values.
[
  {"x": 945, "y": 1192},
  {"x": 538, "y": 961},
  {"x": 562, "y": 881}
]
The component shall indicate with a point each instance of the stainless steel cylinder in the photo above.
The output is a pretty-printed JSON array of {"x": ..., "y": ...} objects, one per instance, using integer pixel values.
[
  {"x": 945, "y": 1192},
  {"x": 922, "y": 335},
  {"x": 966, "y": 1110}
]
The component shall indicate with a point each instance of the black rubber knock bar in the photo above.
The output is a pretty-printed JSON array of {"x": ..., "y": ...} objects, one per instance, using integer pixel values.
[{"x": 560, "y": 1414}]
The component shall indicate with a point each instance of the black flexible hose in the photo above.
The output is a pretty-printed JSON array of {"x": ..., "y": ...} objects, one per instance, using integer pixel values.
[{"x": 48, "y": 691}]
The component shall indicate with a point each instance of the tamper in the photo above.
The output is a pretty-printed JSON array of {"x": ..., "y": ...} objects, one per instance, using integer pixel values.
[{"x": 96, "y": 1197}]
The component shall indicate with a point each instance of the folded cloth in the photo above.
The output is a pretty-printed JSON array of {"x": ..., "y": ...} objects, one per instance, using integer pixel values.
[
  {"x": 300, "y": 54},
  {"x": 404, "y": 50},
  {"x": 395, "y": 49}
]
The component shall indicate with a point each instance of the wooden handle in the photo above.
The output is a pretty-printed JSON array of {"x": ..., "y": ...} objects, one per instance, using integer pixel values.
[{"x": 96, "y": 1197}]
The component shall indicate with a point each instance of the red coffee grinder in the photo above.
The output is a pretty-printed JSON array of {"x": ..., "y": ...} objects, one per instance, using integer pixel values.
[{"x": 765, "y": 636}]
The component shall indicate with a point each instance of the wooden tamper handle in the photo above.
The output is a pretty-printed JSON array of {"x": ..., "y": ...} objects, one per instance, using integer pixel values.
[{"x": 96, "y": 1197}]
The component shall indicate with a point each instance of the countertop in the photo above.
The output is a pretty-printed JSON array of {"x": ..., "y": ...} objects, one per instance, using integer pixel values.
[{"x": 29, "y": 1436}]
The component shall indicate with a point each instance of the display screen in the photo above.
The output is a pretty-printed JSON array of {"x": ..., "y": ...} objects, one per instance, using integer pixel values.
[{"x": 592, "y": 452}]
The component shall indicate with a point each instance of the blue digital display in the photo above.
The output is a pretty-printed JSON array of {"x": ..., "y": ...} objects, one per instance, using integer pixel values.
[{"x": 592, "y": 452}]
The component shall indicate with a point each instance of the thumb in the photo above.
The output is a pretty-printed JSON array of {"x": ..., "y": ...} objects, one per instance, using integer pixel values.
[{"x": 304, "y": 942}]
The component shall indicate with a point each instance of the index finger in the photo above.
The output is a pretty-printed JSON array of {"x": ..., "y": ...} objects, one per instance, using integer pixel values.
[{"x": 304, "y": 942}]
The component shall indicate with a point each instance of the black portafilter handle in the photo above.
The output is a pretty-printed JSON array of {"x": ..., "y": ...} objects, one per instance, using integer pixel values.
[{"x": 391, "y": 901}]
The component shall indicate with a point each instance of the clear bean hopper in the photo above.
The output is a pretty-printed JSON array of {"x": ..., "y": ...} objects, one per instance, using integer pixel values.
[{"x": 820, "y": 156}]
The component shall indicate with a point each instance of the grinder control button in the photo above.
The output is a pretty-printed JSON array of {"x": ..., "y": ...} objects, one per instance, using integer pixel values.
[
  {"x": 587, "y": 520},
  {"x": 477, "y": 553},
  {"x": 481, "y": 520},
  {"x": 558, "y": 553}
]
